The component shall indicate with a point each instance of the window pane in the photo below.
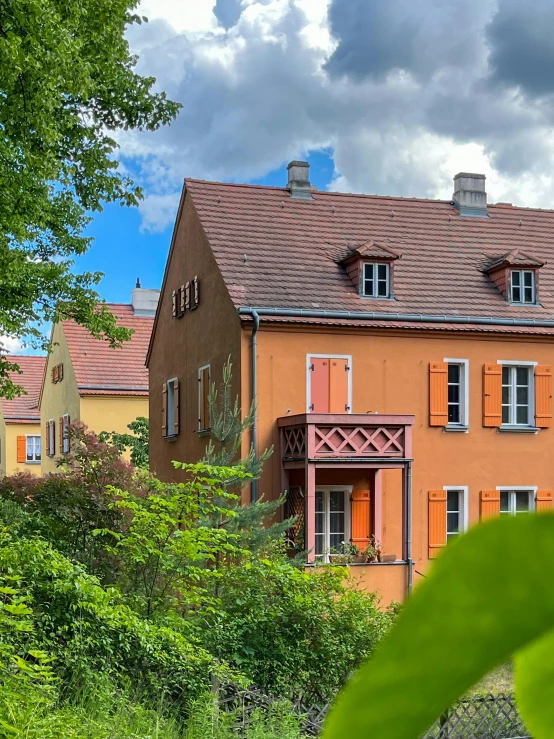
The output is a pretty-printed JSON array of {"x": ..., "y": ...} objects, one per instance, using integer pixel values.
[
  {"x": 516, "y": 278},
  {"x": 319, "y": 523},
  {"x": 522, "y": 501},
  {"x": 528, "y": 295},
  {"x": 506, "y": 393},
  {"x": 452, "y": 523},
  {"x": 30, "y": 448},
  {"x": 335, "y": 541},
  {"x": 505, "y": 414},
  {"x": 336, "y": 524},
  {"x": 453, "y": 500},
  {"x": 453, "y": 414},
  {"x": 522, "y": 414},
  {"x": 504, "y": 501},
  {"x": 336, "y": 500},
  {"x": 528, "y": 279},
  {"x": 506, "y": 375},
  {"x": 319, "y": 501},
  {"x": 522, "y": 395},
  {"x": 522, "y": 376},
  {"x": 382, "y": 270},
  {"x": 382, "y": 290},
  {"x": 37, "y": 448},
  {"x": 454, "y": 373},
  {"x": 453, "y": 393},
  {"x": 319, "y": 544},
  {"x": 516, "y": 294}
]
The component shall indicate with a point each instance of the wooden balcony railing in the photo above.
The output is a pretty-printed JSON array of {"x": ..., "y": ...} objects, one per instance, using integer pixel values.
[{"x": 346, "y": 436}]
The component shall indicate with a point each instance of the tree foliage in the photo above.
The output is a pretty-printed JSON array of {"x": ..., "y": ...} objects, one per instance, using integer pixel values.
[
  {"x": 488, "y": 596},
  {"x": 136, "y": 442},
  {"x": 67, "y": 85}
]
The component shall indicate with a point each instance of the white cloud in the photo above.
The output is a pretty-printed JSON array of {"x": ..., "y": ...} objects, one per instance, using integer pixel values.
[
  {"x": 264, "y": 81},
  {"x": 10, "y": 344}
]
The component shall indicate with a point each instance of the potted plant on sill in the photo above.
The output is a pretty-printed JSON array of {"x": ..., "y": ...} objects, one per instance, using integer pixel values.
[{"x": 373, "y": 550}]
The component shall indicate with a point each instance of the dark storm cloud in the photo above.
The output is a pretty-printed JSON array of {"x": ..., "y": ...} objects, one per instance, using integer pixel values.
[{"x": 522, "y": 50}]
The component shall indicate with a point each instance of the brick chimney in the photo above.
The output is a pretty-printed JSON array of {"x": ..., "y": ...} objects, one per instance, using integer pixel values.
[
  {"x": 299, "y": 180},
  {"x": 469, "y": 196}
]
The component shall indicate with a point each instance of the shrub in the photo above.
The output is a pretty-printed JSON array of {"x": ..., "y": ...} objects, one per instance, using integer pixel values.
[{"x": 295, "y": 633}]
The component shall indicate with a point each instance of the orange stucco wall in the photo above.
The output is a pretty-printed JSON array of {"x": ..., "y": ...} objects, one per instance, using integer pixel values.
[{"x": 390, "y": 374}]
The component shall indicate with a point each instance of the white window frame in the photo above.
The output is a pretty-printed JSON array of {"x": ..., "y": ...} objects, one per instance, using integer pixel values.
[
  {"x": 65, "y": 438},
  {"x": 34, "y": 460},
  {"x": 532, "y": 490},
  {"x": 375, "y": 266},
  {"x": 200, "y": 392},
  {"x": 530, "y": 365},
  {"x": 463, "y": 491},
  {"x": 522, "y": 272},
  {"x": 309, "y": 358},
  {"x": 51, "y": 438},
  {"x": 464, "y": 389},
  {"x": 170, "y": 406},
  {"x": 347, "y": 489}
]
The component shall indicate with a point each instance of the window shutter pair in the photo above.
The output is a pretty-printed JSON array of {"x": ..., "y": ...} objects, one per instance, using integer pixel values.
[
  {"x": 492, "y": 396},
  {"x": 22, "y": 449},
  {"x": 329, "y": 385},
  {"x": 360, "y": 518}
]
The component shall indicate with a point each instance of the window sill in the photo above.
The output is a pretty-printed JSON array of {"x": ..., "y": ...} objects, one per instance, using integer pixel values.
[
  {"x": 457, "y": 427},
  {"x": 203, "y": 432},
  {"x": 380, "y": 298},
  {"x": 173, "y": 437},
  {"x": 506, "y": 429},
  {"x": 35, "y": 461}
]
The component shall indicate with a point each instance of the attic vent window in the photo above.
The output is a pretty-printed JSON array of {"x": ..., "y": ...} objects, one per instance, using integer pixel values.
[
  {"x": 376, "y": 280},
  {"x": 522, "y": 285}
]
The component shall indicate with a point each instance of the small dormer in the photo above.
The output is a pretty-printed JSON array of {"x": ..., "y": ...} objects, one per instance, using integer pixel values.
[
  {"x": 370, "y": 267},
  {"x": 515, "y": 274}
]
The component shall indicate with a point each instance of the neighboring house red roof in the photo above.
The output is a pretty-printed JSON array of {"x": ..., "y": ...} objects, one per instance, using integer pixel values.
[
  {"x": 24, "y": 409},
  {"x": 275, "y": 251},
  {"x": 101, "y": 370}
]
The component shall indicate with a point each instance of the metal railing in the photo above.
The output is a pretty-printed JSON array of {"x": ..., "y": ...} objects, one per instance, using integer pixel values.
[{"x": 479, "y": 717}]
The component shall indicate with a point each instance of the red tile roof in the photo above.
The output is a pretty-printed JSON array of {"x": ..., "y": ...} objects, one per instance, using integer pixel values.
[
  {"x": 101, "y": 370},
  {"x": 24, "y": 409},
  {"x": 275, "y": 251}
]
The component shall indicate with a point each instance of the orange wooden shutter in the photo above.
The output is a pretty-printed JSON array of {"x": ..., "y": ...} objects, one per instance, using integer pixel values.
[
  {"x": 360, "y": 518},
  {"x": 544, "y": 500},
  {"x": 21, "y": 449},
  {"x": 543, "y": 396},
  {"x": 338, "y": 386},
  {"x": 319, "y": 385},
  {"x": 490, "y": 503},
  {"x": 175, "y": 406},
  {"x": 437, "y": 521},
  {"x": 164, "y": 409},
  {"x": 492, "y": 395},
  {"x": 438, "y": 394}
]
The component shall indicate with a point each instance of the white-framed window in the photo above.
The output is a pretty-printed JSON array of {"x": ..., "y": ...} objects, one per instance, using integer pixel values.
[
  {"x": 51, "y": 438},
  {"x": 517, "y": 500},
  {"x": 518, "y": 394},
  {"x": 204, "y": 382},
  {"x": 522, "y": 286},
  {"x": 332, "y": 520},
  {"x": 33, "y": 449},
  {"x": 456, "y": 510},
  {"x": 65, "y": 437},
  {"x": 376, "y": 280},
  {"x": 458, "y": 392}
]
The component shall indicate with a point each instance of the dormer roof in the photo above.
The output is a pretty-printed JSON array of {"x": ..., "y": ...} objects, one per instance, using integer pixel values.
[
  {"x": 373, "y": 250},
  {"x": 515, "y": 258}
]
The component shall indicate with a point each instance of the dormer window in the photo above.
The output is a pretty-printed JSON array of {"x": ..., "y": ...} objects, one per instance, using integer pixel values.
[
  {"x": 376, "y": 282},
  {"x": 522, "y": 286}
]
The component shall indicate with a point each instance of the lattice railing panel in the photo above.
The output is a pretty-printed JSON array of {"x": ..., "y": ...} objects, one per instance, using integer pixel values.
[
  {"x": 294, "y": 507},
  {"x": 490, "y": 717},
  {"x": 295, "y": 442},
  {"x": 359, "y": 441}
]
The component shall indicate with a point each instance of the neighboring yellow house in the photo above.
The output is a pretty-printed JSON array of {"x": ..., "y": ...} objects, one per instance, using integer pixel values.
[
  {"x": 86, "y": 380},
  {"x": 20, "y": 443}
]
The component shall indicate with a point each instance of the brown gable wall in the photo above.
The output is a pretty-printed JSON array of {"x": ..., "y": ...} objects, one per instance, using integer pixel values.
[{"x": 207, "y": 335}]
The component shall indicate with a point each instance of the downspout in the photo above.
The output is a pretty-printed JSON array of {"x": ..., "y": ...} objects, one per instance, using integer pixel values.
[
  {"x": 409, "y": 527},
  {"x": 256, "y": 319}
]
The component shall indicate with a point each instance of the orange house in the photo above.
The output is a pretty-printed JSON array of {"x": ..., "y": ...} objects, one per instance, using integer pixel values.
[{"x": 399, "y": 351}]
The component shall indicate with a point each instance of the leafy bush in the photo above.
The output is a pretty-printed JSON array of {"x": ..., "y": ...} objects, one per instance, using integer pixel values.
[{"x": 294, "y": 633}]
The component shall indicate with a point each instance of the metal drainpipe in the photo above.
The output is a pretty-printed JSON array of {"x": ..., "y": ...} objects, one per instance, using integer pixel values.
[
  {"x": 409, "y": 527},
  {"x": 256, "y": 319}
]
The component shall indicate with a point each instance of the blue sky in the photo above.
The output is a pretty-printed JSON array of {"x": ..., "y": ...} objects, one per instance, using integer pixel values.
[{"x": 123, "y": 251}]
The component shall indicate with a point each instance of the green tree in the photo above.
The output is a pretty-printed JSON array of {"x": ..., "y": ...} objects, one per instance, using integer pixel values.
[
  {"x": 227, "y": 427},
  {"x": 136, "y": 442},
  {"x": 67, "y": 85}
]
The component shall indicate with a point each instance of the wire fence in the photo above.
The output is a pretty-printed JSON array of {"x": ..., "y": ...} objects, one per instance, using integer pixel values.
[{"x": 482, "y": 717}]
